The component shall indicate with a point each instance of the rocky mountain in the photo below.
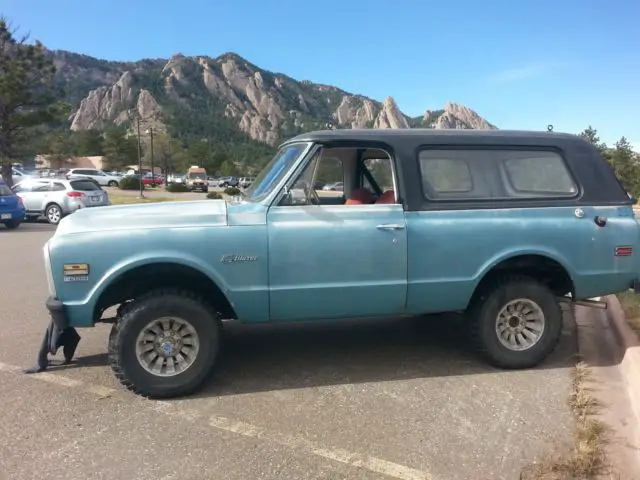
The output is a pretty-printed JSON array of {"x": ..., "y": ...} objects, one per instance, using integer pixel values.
[{"x": 201, "y": 97}]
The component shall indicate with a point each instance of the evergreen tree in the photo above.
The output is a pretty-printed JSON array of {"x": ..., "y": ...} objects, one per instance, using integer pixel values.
[
  {"x": 625, "y": 164},
  {"x": 26, "y": 91}
]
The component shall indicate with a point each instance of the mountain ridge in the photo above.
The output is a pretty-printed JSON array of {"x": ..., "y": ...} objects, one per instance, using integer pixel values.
[{"x": 195, "y": 97}]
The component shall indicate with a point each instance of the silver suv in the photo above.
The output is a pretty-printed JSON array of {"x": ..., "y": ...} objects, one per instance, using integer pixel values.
[
  {"x": 104, "y": 179},
  {"x": 57, "y": 198}
]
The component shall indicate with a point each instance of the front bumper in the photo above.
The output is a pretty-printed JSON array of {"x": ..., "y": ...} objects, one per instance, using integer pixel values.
[
  {"x": 57, "y": 312},
  {"x": 636, "y": 286}
]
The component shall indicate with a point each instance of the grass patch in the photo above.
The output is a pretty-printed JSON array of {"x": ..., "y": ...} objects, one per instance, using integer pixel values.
[
  {"x": 630, "y": 302},
  {"x": 587, "y": 459}
]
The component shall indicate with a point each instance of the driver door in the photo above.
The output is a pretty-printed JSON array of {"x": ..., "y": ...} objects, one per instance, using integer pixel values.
[{"x": 332, "y": 260}]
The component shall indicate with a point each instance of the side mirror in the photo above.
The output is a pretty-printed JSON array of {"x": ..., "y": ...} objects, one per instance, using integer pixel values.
[{"x": 293, "y": 196}]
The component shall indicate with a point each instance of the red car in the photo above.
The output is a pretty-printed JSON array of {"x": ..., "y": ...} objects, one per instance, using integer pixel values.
[{"x": 155, "y": 180}]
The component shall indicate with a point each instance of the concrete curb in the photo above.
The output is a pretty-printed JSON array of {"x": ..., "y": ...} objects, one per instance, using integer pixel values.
[{"x": 629, "y": 350}]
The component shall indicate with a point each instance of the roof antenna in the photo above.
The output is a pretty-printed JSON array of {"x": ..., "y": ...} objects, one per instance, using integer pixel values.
[{"x": 549, "y": 128}]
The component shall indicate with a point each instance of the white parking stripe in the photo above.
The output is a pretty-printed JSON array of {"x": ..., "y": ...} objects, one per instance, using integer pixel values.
[
  {"x": 357, "y": 460},
  {"x": 338, "y": 455}
]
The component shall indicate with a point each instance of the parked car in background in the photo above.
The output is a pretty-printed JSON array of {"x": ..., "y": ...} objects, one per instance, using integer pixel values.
[
  {"x": 245, "y": 182},
  {"x": 175, "y": 179},
  {"x": 228, "y": 182},
  {"x": 11, "y": 207},
  {"x": 196, "y": 179},
  {"x": 334, "y": 187},
  {"x": 55, "y": 198},
  {"x": 152, "y": 180},
  {"x": 20, "y": 175},
  {"x": 99, "y": 176}
]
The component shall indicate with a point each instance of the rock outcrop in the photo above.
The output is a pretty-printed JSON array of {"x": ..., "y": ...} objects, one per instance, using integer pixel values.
[{"x": 266, "y": 106}]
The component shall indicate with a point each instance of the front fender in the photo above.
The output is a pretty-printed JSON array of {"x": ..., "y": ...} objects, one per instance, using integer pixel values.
[
  {"x": 81, "y": 310},
  {"x": 165, "y": 256}
]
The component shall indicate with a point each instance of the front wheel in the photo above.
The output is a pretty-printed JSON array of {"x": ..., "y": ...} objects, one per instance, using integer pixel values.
[
  {"x": 165, "y": 344},
  {"x": 516, "y": 322}
]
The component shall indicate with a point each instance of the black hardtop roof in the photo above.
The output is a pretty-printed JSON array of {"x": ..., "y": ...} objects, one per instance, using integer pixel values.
[{"x": 413, "y": 135}]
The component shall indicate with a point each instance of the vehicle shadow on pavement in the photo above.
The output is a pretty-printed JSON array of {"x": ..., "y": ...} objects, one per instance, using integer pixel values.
[
  {"x": 30, "y": 227},
  {"x": 98, "y": 360},
  {"x": 256, "y": 359}
]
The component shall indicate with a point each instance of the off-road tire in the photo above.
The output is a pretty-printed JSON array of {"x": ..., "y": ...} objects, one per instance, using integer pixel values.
[
  {"x": 136, "y": 315},
  {"x": 12, "y": 224},
  {"x": 484, "y": 309}
]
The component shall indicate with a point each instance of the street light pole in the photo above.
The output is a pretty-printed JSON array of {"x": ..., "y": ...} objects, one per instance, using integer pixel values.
[
  {"x": 153, "y": 173},
  {"x": 139, "y": 157}
]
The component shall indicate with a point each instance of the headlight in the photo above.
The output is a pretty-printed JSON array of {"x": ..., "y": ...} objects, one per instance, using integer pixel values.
[{"x": 48, "y": 271}]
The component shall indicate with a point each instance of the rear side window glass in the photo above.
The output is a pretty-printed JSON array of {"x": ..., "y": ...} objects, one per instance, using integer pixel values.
[
  {"x": 446, "y": 175},
  {"x": 494, "y": 174},
  {"x": 41, "y": 187},
  {"x": 542, "y": 173},
  {"x": 84, "y": 185},
  {"x": 57, "y": 186}
]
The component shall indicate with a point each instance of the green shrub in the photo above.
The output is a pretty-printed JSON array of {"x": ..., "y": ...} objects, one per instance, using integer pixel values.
[
  {"x": 232, "y": 191},
  {"x": 130, "y": 183},
  {"x": 177, "y": 188},
  {"x": 214, "y": 196}
]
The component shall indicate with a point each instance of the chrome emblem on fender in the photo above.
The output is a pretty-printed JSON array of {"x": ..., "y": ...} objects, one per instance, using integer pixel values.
[{"x": 238, "y": 258}]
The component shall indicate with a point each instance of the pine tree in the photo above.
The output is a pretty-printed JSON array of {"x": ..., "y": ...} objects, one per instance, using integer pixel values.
[
  {"x": 26, "y": 93},
  {"x": 625, "y": 164}
]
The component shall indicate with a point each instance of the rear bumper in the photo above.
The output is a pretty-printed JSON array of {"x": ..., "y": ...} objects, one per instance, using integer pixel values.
[
  {"x": 57, "y": 312},
  {"x": 16, "y": 214}
]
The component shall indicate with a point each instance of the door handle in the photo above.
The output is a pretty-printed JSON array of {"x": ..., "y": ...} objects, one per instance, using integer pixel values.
[{"x": 391, "y": 226}]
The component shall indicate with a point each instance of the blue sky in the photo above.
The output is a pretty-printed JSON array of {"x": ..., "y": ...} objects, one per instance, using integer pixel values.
[{"x": 519, "y": 64}]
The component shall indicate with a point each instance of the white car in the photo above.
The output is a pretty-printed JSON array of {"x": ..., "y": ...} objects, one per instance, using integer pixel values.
[
  {"x": 20, "y": 175},
  {"x": 103, "y": 179}
]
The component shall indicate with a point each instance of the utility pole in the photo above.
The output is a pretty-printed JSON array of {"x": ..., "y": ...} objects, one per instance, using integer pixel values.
[
  {"x": 153, "y": 172},
  {"x": 139, "y": 157}
]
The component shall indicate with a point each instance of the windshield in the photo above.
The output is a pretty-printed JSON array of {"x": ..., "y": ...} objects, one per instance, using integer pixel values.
[
  {"x": 275, "y": 170},
  {"x": 199, "y": 176}
]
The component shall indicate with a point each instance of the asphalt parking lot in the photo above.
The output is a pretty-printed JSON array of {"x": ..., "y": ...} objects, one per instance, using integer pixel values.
[{"x": 358, "y": 400}]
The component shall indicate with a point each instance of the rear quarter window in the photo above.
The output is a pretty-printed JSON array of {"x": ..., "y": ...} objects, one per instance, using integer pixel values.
[
  {"x": 84, "y": 185},
  {"x": 538, "y": 174},
  {"x": 494, "y": 174}
]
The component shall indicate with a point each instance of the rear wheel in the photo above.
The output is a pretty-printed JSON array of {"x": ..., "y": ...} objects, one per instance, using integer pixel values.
[
  {"x": 165, "y": 344},
  {"x": 11, "y": 224},
  {"x": 53, "y": 213},
  {"x": 516, "y": 322},
  {"x": 112, "y": 183}
]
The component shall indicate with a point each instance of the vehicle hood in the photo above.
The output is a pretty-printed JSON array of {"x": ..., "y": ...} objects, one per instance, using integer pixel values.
[{"x": 203, "y": 213}]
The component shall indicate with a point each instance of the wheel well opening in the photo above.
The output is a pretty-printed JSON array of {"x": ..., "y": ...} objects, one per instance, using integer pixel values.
[
  {"x": 139, "y": 280},
  {"x": 547, "y": 271}
]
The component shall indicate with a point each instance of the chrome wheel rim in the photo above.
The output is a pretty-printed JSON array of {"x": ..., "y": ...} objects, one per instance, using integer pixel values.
[
  {"x": 167, "y": 346},
  {"x": 520, "y": 324},
  {"x": 53, "y": 214}
]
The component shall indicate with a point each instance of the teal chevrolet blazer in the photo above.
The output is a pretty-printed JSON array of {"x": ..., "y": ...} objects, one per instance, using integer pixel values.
[{"x": 501, "y": 225}]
